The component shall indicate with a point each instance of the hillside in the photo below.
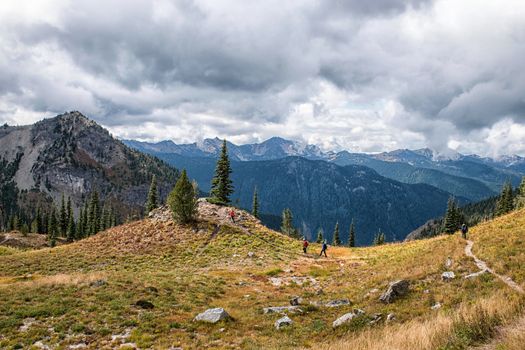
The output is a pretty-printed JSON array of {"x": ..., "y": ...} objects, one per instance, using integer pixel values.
[
  {"x": 96, "y": 293},
  {"x": 72, "y": 155},
  {"x": 320, "y": 194}
]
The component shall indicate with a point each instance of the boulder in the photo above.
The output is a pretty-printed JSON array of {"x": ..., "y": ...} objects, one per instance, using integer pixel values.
[
  {"x": 436, "y": 306},
  {"x": 294, "y": 301},
  {"x": 212, "y": 315},
  {"x": 448, "y": 276},
  {"x": 282, "y": 322},
  {"x": 281, "y": 309},
  {"x": 344, "y": 319},
  {"x": 144, "y": 304},
  {"x": 390, "y": 317},
  {"x": 395, "y": 290},
  {"x": 338, "y": 302}
]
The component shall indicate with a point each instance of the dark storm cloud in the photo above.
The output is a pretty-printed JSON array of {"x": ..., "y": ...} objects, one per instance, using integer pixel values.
[{"x": 413, "y": 67}]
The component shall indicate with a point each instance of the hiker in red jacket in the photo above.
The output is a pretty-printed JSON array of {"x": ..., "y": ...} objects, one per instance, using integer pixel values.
[
  {"x": 232, "y": 216},
  {"x": 305, "y": 244}
]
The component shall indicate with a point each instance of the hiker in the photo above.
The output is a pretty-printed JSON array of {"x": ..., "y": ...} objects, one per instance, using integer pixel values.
[
  {"x": 232, "y": 216},
  {"x": 464, "y": 230},
  {"x": 305, "y": 244},
  {"x": 323, "y": 249}
]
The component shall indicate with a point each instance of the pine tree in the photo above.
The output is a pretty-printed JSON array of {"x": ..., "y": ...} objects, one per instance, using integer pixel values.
[
  {"x": 62, "y": 218},
  {"x": 71, "y": 227},
  {"x": 183, "y": 200},
  {"x": 255, "y": 204},
  {"x": 152, "y": 201},
  {"x": 379, "y": 238},
  {"x": 34, "y": 226},
  {"x": 351, "y": 235},
  {"x": 519, "y": 201},
  {"x": 452, "y": 217},
  {"x": 319, "y": 236},
  {"x": 221, "y": 185},
  {"x": 287, "y": 223},
  {"x": 52, "y": 228},
  {"x": 94, "y": 214},
  {"x": 79, "y": 232},
  {"x": 38, "y": 220},
  {"x": 337, "y": 239},
  {"x": 506, "y": 200}
]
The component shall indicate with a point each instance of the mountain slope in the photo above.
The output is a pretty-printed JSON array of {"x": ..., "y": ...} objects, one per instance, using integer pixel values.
[
  {"x": 89, "y": 293},
  {"x": 72, "y": 155}
]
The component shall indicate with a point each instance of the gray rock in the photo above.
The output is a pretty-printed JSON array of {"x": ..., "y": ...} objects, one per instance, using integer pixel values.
[
  {"x": 338, "y": 302},
  {"x": 281, "y": 309},
  {"x": 213, "y": 315},
  {"x": 294, "y": 301},
  {"x": 395, "y": 290},
  {"x": 376, "y": 318},
  {"x": 448, "y": 263},
  {"x": 390, "y": 317},
  {"x": 436, "y": 306},
  {"x": 359, "y": 312},
  {"x": 448, "y": 276},
  {"x": 283, "y": 322},
  {"x": 251, "y": 254},
  {"x": 344, "y": 319}
]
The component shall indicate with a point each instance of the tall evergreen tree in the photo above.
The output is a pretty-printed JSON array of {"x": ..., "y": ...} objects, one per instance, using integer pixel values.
[
  {"x": 379, "y": 238},
  {"x": 152, "y": 201},
  {"x": 183, "y": 200},
  {"x": 71, "y": 228},
  {"x": 351, "y": 235},
  {"x": 519, "y": 202},
  {"x": 221, "y": 184},
  {"x": 320, "y": 235},
  {"x": 62, "y": 217},
  {"x": 506, "y": 200},
  {"x": 79, "y": 232},
  {"x": 255, "y": 204},
  {"x": 94, "y": 214},
  {"x": 38, "y": 219},
  {"x": 337, "y": 239},
  {"x": 452, "y": 217},
  {"x": 52, "y": 229},
  {"x": 287, "y": 223}
]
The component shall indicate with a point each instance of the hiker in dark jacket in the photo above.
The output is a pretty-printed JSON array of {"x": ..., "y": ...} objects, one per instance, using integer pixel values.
[
  {"x": 464, "y": 231},
  {"x": 232, "y": 216},
  {"x": 305, "y": 245},
  {"x": 323, "y": 249}
]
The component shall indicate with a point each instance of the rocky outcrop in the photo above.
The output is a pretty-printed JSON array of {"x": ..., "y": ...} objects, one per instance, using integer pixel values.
[
  {"x": 448, "y": 276},
  {"x": 283, "y": 322},
  {"x": 395, "y": 290}
]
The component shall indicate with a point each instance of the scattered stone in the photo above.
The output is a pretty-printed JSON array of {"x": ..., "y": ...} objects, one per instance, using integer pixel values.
[
  {"x": 448, "y": 263},
  {"x": 288, "y": 270},
  {"x": 294, "y": 301},
  {"x": 41, "y": 345},
  {"x": 98, "y": 283},
  {"x": 282, "y": 322},
  {"x": 251, "y": 254},
  {"x": 213, "y": 315},
  {"x": 426, "y": 291},
  {"x": 242, "y": 283},
  {"x": 121, "y": 337},
  {"x": 144, "y": 304},
  {"x": 436, "y": 306},
  {"x": 276, "y": 281},
  {"x": 448, "y": 276},
  {"x": 359, "y": 312},
  {"x": 151, "y": 289},
  {"x": 475, "y": 274},
  {"x": 376, "y": 318},
  {"x": 395, "y": 290},
  {"x": 344, "y": 319},
  {"x": 338, "y": 302},
  {"x": 281, "y": 309},
  {"x": 390, "y": 317},
  {"x": 128, "y": 345},
  {"x": 222, "y": 330},
  {"x": 77, "y": 346},
  {"x": 27, "y": 322}
]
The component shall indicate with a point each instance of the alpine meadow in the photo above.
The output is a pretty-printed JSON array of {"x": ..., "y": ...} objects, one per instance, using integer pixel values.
[{"x": 228, "y": 174}]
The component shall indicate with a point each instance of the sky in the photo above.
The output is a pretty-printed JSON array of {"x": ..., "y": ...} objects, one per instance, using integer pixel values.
[{"x": 365, "y": 76}]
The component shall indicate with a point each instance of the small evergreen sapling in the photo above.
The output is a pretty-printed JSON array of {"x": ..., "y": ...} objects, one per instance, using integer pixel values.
[{"x": 183, "y": 200}]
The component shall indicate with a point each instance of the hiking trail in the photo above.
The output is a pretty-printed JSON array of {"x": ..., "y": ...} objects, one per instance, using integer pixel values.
[{"x": 482, "y": 265}]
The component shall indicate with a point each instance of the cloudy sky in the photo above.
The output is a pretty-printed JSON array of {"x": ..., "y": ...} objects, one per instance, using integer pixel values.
[{"x": 356, "y": 75}]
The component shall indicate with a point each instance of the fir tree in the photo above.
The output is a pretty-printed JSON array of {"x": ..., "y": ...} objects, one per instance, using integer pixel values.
[
  {"x": 379, "y": 238},
  {"x": 519, "y": 202},
  {"x": 452, "y": 217},
  {"x": 319, "y": 235},
  {"x": 221, "y": 185},
  {"x": 255, "y": 204},
  {"x": 80, "y": 225},
  {"x": 71, "y": 227},
  {"x": 34, "y": 226},
  {"x": 38, "y": 221},
  {"x": 94, "y": 214},
  {"x": 52, "y": 228},
  {"x": 506, "y": 200},
  {"x": 152, "y": 201},
  {"x": 287, "y": 223},
  {"x": 337, "y": 239},
  {"x": 351, "y": 235},
  {"x": 183, "y": 200},
  {"x": 62, "y": 218}
]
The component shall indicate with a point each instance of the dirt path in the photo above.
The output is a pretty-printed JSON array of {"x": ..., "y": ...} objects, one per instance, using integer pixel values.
[{"x": 482, "y": 265}]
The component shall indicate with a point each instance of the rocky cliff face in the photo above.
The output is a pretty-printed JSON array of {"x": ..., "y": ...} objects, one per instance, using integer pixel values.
[{"x": 72, "y": 155}]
